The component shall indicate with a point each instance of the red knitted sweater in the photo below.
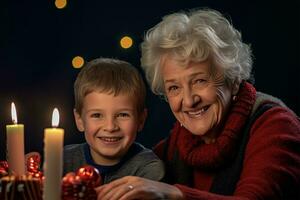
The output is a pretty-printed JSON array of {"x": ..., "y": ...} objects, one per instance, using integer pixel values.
[{"x": 271, "y": 165}]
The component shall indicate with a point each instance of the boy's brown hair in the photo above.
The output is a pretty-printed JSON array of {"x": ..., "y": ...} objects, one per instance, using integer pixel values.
[{"x": 111, "y": 76}]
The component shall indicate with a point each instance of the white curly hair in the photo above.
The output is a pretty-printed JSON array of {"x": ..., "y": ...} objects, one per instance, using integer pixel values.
[{"x": 195, "y": 36}]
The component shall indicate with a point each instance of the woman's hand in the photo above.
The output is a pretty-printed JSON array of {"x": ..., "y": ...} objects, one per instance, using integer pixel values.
[{"x": 131, "y": 187}]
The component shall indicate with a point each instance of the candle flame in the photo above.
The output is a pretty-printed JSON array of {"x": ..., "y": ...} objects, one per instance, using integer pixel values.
[
  {"x": 55, "y": 118},
  {"x": 14, "y": 113}
]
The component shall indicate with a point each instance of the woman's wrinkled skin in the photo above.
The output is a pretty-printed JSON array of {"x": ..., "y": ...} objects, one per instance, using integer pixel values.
[{"x": 198, "y": 99}]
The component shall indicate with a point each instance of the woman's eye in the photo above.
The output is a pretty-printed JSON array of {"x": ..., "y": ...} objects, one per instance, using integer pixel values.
[
  {"x": 200, "y": 81},
  {"x": 172, "y": 88}
]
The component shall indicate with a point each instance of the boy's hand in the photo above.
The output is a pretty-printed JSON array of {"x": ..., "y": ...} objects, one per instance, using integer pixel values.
[{"x": 131, "y": 187}]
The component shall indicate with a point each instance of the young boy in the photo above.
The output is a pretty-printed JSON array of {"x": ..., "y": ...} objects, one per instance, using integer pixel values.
[{"x": 110, "y": 110}]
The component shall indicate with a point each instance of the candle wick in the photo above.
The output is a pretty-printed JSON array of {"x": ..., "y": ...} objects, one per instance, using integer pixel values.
[{"x": 14, "y": 121}]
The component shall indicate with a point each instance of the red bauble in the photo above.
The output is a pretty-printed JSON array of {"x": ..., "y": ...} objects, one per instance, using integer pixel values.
[
  {"x": 4, "y": 164},
  {"x": 90, "y": 175},
  {"x": 33, "y": 161},
  {"x": 80, "y": 185},
  {"x": 71, "y": 178},
  {"x": 3, "y": 168},
  {"x": 3, "y": 172},
  {"x": 38, "y": 175}
]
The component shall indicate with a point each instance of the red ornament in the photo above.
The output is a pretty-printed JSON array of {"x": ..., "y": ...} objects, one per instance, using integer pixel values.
[
  {"x": 71, "y": 178},
  {"x": 71, "y": 186},
  {"x": 90, "y": 175},
  {"x": 3, "y": 168},
  {"x": 33, "y": 162},
  {"x": 80, "y": 185},
  {"x": 4, "y": 164},
  {"x": 3, "y": 172}
]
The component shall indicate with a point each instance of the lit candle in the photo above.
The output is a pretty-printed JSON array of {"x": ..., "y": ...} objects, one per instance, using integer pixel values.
[
  {"x": 53, "y": 149},
  {"x": 15, "y": 144}
]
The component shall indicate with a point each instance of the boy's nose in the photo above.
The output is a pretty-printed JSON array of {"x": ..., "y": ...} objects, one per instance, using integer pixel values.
[{"x": 110, "y": 125}]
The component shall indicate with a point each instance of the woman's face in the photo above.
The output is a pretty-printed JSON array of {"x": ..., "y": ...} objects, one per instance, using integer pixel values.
[{"x": 198, "y": 100}]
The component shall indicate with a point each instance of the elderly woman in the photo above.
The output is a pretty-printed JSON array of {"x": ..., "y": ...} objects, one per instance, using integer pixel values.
[{"x": 229, "y": 141}]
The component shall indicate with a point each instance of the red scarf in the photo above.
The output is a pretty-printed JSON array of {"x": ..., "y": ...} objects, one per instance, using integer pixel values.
[{"x": 195, "y": 152}]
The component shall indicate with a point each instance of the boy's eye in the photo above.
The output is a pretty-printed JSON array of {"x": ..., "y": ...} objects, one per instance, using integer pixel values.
[
  {"x": 123, "y": 115},
  {"x": 96, "y": 115}
]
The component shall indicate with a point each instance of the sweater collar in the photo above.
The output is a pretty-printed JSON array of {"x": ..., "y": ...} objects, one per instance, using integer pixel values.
[{"x": 209, "y": 156}]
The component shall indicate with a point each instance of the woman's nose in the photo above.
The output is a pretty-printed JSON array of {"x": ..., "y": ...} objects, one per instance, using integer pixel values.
[
  {"x": 110, "y": 125},
  {"x": 190, "y": 98}
]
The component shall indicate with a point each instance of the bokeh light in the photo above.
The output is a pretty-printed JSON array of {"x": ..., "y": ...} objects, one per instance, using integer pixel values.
[
  {"x": 126, "y": 42},
  {"x": 60, "y": 4},
  {"x": 77, "y": 62}
]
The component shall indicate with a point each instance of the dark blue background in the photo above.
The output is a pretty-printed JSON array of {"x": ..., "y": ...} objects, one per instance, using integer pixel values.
[{"x": 38, "y": 42}]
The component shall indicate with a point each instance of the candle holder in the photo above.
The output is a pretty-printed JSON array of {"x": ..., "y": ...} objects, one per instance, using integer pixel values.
[
  {"x": 77, "y": 185},
  {"x": 20, "y": 188}
]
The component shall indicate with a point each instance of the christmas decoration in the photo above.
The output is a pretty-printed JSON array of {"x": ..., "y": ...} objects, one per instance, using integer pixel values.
[
  {"x": 3, "y": 168},
  {"x": 80, "y": 185},
  {"x": 33, "y": 163}
]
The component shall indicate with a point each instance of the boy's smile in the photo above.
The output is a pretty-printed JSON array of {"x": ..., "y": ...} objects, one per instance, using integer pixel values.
[
  {"x": 110, "y": 124},
  {"x": 110, "y": 139}
]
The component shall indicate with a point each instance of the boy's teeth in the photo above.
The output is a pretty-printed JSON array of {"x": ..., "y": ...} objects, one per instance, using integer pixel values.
[{"x": 113, "y": 139}]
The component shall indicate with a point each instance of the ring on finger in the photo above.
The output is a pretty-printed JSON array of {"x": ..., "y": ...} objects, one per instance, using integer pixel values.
[{"x": 130, "y": 187}]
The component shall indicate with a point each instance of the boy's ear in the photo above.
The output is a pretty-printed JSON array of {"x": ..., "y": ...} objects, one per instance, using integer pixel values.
[
  {"x": 78, "y": 120},
  {"x": 142, "y": 119}
]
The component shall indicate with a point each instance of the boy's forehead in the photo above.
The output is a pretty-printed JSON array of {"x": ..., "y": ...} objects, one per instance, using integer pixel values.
[
  {"x": 107, "y": 98},
  {"x": 114, "y": 93},
  {"x": 111, "y": 90}
]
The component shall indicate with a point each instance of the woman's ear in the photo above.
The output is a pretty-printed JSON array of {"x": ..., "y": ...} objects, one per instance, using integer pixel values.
[
  {"x": 142, "y": 119},
  {"x": 78, "y": 120},
  {"x": 235, "y": 87}
]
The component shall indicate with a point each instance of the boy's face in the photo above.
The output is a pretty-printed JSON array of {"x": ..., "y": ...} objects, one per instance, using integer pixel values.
[{"x": 110, "y": 124}]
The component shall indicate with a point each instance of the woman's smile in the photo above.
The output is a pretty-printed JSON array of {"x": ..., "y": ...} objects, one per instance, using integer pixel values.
[{"x": 196, "y": 113}]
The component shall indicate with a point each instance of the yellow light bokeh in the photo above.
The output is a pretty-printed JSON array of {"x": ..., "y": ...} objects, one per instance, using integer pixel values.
[
  {"x": 126, "y": 42},
  {"x": 77, "y": 62},
  {"x": 60, "y": 4}
]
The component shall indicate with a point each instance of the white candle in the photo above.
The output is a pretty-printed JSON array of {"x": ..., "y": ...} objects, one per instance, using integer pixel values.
[
  {"x": 53, "y": 153},
  {"x": 15, "y": 144}
]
